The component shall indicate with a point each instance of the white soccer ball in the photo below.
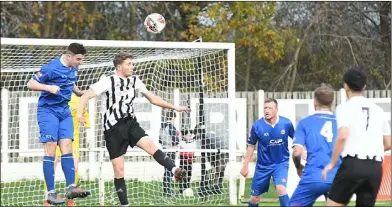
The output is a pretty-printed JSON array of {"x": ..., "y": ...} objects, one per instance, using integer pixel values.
[
  {"x": 188, "y": 192},
  {"x": 154, "y": 23}
]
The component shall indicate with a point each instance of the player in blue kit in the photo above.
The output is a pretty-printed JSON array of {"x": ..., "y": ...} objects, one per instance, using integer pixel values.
[
  {"x": 56, "y": 81},
  {"x": 317, "y": 133},
  {"x": 271, "y": 135}
]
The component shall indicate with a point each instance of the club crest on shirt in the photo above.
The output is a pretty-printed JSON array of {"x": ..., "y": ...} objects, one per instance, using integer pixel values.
[
  {"x": 283, "y": 131},
  {"x": 283, "y": 180}
]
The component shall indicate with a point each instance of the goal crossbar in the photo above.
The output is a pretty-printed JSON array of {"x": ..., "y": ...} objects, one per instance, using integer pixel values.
[{"x": 116, "y": 43}]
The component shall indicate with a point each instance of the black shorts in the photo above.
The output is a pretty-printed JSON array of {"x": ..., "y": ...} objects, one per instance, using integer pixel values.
[
  {"x": 359, "y": 176},
  {"x": 126, "y": 132}
]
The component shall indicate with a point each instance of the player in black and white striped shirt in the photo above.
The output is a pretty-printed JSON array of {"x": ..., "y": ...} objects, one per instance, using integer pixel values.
[{"x": 120, "y": 124}]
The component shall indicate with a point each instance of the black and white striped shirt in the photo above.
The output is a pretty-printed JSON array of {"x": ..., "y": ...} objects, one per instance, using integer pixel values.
[{"x": 117, "y": 95}]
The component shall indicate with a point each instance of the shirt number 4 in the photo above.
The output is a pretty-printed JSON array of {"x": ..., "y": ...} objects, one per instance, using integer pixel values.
[{"x": 327, "y": 131}]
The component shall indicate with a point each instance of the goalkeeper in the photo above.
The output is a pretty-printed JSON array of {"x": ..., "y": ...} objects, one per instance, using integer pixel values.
[
  {"x": 73, "y": 105},
  {"x": 56, "y": 81},
  {"x": 218, "y": 160},
  {"x": 169, "y": 139}
]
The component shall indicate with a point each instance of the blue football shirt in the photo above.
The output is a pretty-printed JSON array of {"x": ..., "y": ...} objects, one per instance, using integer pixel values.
[
  {"x": 317, "y": 133},
  {"x": 56, "y": 73},
  {"x": 272, "y": 141}
]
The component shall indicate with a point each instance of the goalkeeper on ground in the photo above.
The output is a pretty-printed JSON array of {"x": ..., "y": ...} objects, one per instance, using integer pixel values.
[
  {"x": 73, "y": 105},
  {"x": 56, "y": 81}
]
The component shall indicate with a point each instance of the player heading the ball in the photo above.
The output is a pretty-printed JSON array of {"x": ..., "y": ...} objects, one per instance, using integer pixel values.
[
  {"x": 121, "y": 129},
  {"x": 56, "y": 81}
]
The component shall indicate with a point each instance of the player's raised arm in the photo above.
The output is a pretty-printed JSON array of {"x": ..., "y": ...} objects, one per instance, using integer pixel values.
[
  {"x": 38, "y": 81},
  {"x": 157, "y": 100},
  {"x": 95, "y": 90}
]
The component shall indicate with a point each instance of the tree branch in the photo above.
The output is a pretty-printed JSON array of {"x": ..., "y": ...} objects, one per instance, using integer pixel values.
[
  {"x": 173, "y": 18},
  {"x": 349, "y": 43},
  {"x": 277, "y": 80}
]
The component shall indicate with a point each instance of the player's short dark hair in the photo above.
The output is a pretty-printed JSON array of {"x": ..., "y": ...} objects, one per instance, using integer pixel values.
[
  {"x": 170, "y": 115},
  {"x": 355, "y": 79},
  {"x": 120, "y": 57},
  {"x": 324, "y": 95},
  {"x": 269, "y": 100},
  {"x": 76, "y": 48}
]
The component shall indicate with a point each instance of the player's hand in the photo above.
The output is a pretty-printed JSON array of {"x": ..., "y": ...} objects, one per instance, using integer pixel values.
[
  {"x": 244, "y": 171},
  {"x": 182, "y": 109},
  {"x": 81, "y": 118},
  {"x": 328, "y": 168},
  {"x": 299, "y": 170},
  {"x": 80, "y": 93},
  {"x": 53, "y": 89}
]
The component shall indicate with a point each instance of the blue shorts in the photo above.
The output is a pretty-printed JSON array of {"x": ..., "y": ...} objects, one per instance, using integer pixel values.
[
  {"x": 55, "y": 123},
  {"x": 262, "y": 177},
  {"x": 307, "y": 193}
]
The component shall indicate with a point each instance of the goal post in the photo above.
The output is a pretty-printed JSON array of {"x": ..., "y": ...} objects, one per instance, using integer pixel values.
[{"x": 169, "y": 69}]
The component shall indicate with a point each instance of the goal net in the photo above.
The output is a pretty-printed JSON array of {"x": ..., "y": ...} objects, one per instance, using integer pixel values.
[{"x": 198, "y": 75}]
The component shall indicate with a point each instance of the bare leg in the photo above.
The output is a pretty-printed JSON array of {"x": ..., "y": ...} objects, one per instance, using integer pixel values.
[
  {"x": 148, "y": 145},
  {"x": 282, "y": 193},
  {"x": 333, "y": 203},
  {"x": 65, "y": 146},
  {"x": 254, "y": 201}
]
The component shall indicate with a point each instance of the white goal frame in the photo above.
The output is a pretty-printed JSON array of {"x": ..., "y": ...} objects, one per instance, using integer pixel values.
[{"x": 230, "y": 47}]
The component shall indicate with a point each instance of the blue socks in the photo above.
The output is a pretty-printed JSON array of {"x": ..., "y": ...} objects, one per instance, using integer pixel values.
[
  {"x": 48, "y": 167},
  {"x": 250, "y": 204},
  {"x": 68, "y": 165},
  {"x": 284, "y": 200}
]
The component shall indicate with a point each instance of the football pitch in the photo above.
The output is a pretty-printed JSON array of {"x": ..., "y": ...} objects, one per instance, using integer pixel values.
[{"x": 30, "y": 193}]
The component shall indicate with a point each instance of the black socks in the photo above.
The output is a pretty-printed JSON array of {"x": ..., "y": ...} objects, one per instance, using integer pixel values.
[
  {"x": 121, "y": 190},
  {"x": 164, "y": 160}
]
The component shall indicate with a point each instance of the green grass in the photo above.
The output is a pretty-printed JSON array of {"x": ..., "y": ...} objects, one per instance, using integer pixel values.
[
  {"x": 271, "y": 198},
  {"x": 30, "y": 192}
]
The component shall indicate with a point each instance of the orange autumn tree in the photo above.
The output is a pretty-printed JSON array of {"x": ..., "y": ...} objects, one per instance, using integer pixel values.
[{"x": 248, "y": 24}]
